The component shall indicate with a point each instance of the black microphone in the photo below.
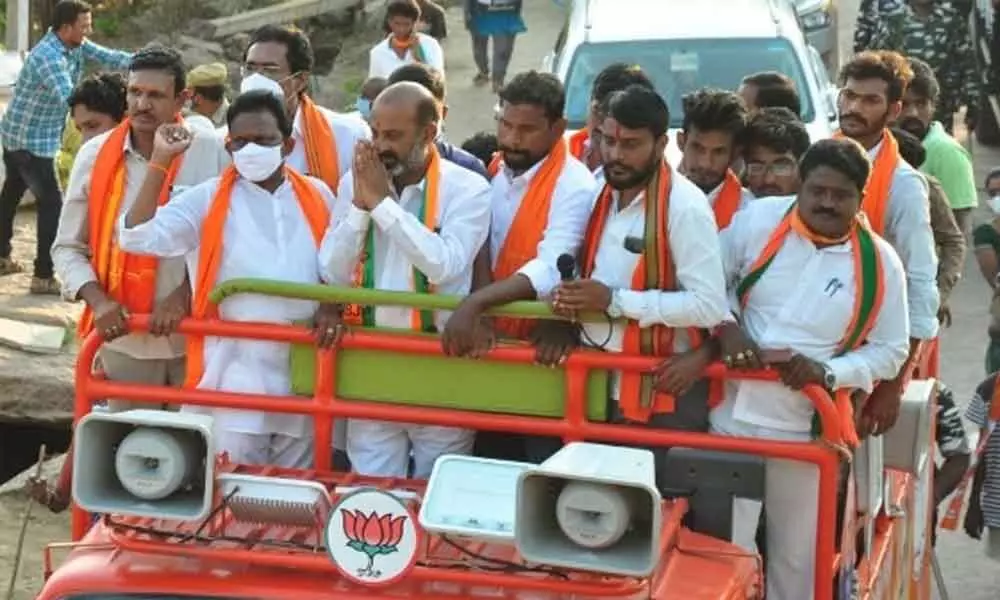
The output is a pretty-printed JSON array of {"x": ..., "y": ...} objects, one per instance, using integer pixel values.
[{"x": 566, "y": 265}]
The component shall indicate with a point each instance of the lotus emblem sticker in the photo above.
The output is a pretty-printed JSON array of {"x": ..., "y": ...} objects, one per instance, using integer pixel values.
[{"x": 372, "y": 537}]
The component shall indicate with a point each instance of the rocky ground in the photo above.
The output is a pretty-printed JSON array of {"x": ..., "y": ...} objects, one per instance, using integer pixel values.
[{"x": 969, "y": 576}]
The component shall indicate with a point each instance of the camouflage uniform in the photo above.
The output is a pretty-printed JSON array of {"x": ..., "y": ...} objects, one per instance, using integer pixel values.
[{"x": 943, "y": 41}]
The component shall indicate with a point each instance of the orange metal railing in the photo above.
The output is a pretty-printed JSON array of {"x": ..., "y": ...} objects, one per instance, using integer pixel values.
[{"x": 324, "y": 407}]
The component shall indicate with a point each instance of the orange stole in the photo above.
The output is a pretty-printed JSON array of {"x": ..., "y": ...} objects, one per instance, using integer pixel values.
[
  {"x": 728, "y": 200},
  {"x": 129, "y": 279},
  {"x": 210, "y": 252},
  {"x": 876, "y": 198},
  {"x": 578, "y": 143},
  {"x": 321, "y": 144},
  {"x": 411, "y": 43},
  {"x": 638, "y": 400},
  {"x": 528, "y": 229}
]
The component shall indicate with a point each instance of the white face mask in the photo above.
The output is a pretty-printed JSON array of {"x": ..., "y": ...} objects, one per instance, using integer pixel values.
[
  {"x": 256, "y": 163},
  {"x": 995, "y": 204},
  {"x": 256, "y": 81}
]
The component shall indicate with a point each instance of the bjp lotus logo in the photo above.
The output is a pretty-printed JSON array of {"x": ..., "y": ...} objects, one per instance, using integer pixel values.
[{"x": 374, "y": 535}]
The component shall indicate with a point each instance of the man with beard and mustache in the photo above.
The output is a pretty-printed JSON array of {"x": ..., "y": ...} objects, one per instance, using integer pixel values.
[
  {"x": 280, "y": 59},
  {"x": 946, "y": 159},
  {"x": 405, "y": 220},
  {"x": 710, "y": 140},
  {"x": 800, "y": 267},
  {"x": 896, "y": 204},
  {"x": 775, "y": 140},
  {"x": 650, "y": 260},
  {"x": 541, "y": 201}
]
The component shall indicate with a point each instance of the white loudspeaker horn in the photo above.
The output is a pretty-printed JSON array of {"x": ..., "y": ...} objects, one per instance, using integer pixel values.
[
  {"x": 591, "y": 507},
  {"x": 144, "y": 463}
]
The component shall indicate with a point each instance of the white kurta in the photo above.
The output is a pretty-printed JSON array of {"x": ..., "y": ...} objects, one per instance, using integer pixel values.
[
  {"x": 804, "y": 303},
  {"x": 572, "y": 201},
  {"x": 265, "y": 236},
  {"x": 402, "y": 243},
  {"x": 383, "y": 60}
]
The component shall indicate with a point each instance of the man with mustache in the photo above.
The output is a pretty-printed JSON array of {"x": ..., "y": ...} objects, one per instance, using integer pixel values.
[
  {"x": 433, "y": 81},
  {"x": 896, "y": 204},
  {"x": 650, "y": 259},
  {"x": 774, "y": 141},
  {"x": 405, "y": 220},
  {"x": 104, "y": 183},
  {"x": 585, "y": 144},
  {"x": 280, "y": 59},
  {"x": 946, "y": 160},
  {"x": 710, "y": 140},
  {"x": 541, "y": 200},
  {"x": 801, "y": 264}
]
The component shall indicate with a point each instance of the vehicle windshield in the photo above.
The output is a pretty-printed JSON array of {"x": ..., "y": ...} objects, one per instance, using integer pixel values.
[{"x": 679, "y": 67}]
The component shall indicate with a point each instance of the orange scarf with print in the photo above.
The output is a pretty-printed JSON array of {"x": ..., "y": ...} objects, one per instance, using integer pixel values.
[
  {"x": 638, "y": 400},
  {"x": 129, "y": 279},
  {"x": 876, "y": 198},
  {"x": 869, "y": 292},
  {"x": 412, "y": 44},
  {"x": 321, "y": 145},
  {"x": 528, "y": 228},
  {"x": 728, "y": 200},
  {"x": 210, "y": 250}
]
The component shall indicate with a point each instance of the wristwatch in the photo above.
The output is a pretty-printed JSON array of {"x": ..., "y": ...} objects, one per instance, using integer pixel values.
[
  {"x": 615, "y": 306},
  {"x": 829, "y": 379}
]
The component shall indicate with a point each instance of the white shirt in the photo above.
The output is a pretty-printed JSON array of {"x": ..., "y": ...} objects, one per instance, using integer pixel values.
[
  {"x": 204, "y": 159},
  {"x": 908, "y": 229},
  {"x": 347, "y": 130},
  {"x": 259, "y": 225},
  {"x": 569, "y": 212},
  {"x": 383, "y": 60},
  {"x": 804, "y": 302},
  {"x": 402, "y": 242},
  {"x": 700, "y": 300},
  {"x": 200, "y": 124}
]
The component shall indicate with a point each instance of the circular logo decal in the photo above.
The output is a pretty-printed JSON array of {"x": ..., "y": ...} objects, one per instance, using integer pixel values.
[{"x": 372, "y": 537}]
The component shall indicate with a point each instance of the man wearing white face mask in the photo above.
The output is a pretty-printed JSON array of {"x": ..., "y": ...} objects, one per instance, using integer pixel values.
[
  {"x": 405, "y": 220},
  {"x": 986, "y": 239},
  {"x": 258, "y": 207},
  {"x": 279, "y": 59}
]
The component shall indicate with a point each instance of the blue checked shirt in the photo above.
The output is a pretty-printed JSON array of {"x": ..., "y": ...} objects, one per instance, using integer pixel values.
[{"x": 35, "y": 117}]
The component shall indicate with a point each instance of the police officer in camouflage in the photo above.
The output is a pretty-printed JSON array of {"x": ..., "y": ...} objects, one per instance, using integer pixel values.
[{"x": 935, "y": 31}]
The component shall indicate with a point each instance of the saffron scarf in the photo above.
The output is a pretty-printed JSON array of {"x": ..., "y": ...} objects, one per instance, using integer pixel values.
[
  {"x": 528, "y": 228},
  {"x": 321, "y": 145},
  {"x": 578, "y": 144},
  {"x": 412, "y": 44},
  {"x": 875, "y": 203},
  {"x": 210, "y": 251},
  {"x": 364, "y": 275},
  {"x": 728, "y": 200},
  {"x": 655, "y": 270},
  {"x": 128, "y": 278},
  {"x": 869, "y": 286}
]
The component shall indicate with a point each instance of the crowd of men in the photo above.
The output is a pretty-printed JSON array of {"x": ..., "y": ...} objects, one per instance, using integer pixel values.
[{"x": 830, "y": 262}]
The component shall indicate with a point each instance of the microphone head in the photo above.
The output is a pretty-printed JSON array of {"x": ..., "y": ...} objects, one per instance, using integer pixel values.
[{"x": 566, "y": 265}]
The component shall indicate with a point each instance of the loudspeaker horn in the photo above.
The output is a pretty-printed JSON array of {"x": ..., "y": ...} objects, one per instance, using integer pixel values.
[
  {"x": 144, "y": 463},
  {"x": 591, "y": 507}
]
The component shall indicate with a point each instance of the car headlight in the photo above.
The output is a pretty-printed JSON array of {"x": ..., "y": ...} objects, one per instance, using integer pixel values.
[{"x": 816, "y": 19}]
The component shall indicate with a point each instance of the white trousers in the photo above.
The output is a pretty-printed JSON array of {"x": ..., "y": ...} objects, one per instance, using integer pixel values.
[
  {"x": 382, "y": 449},
  {"x": 266, "y": 449},
  {"x": 791, "y": 496}
]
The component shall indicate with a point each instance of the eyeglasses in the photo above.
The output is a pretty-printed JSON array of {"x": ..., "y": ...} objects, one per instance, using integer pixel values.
[{"x": 778, "y": 169}]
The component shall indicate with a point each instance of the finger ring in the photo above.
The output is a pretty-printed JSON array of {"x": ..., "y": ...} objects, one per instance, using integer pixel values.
[
  {"x": 331, "y": 330},
  {"x": 749, "y": 352},
  {"x": 740, "y": 355},
  {"x": 728, "y": 360}
]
